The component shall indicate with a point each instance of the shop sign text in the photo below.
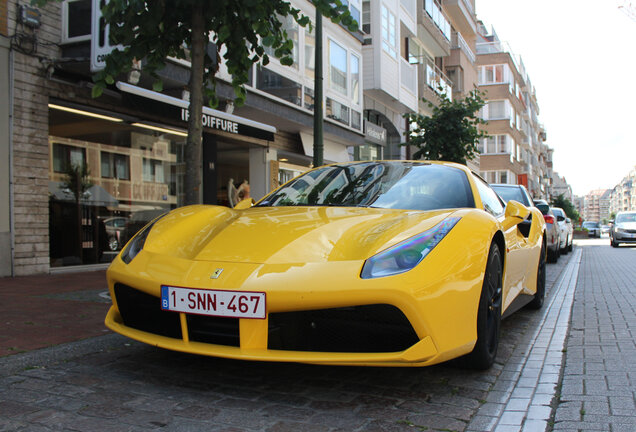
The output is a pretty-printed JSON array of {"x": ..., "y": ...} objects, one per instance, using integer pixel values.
[{"x": 213, "y": 122}]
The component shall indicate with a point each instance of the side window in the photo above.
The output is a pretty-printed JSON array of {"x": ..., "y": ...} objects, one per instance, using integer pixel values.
[{"x": 492, "y": 203}]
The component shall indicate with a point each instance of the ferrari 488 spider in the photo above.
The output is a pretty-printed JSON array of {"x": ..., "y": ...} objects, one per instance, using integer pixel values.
[{"x": 369, "y": 263}]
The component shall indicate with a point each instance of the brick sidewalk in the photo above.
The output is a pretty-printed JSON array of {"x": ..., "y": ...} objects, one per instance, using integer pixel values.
[
  {"x": 41, "y": 311},
  {"x": 599, "y": 381}
]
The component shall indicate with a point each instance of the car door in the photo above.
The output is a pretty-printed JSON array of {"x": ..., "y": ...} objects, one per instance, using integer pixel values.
[{"x": 516, "y": 245}]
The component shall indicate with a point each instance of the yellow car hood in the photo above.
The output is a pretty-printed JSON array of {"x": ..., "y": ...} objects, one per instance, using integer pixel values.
[{"x": 281, "y": 235}]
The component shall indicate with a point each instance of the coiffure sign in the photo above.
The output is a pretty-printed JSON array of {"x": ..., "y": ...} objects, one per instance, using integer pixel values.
[{"x": 213, "y": 122}]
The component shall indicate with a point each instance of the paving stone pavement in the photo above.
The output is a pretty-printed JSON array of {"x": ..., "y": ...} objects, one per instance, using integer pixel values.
[
  {"x": 522, "y": 402},
  {"x": 598, "y": 390},
  {"x": 111, "y": 383}
]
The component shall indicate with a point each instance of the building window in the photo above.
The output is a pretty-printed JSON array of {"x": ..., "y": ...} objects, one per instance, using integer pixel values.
[
  {"x": 355, "y": 80},
  {"x": 66, "y": 155},
  {"x": 337, "y": 68},
  {"x": 115, "y": 165},
  {"x": 291, "y": 27},
  {"x": 310, "y": 54},
  {"x": 356, "y": 120},
  {"x": 492, "y": 74},
  {"x": 152, "y": 170},
  {"x": 337, "y": 111},
  {"x": 496, "y": 144},
  {"x": 496, "y": 110},
  {"x": 366, "y": 16},
  {"x": 76, "y": 20},
  {"x": 389, "y": 36},
  {"x": 354, "y": 9},
  {"x": 278, "y": 85},
  {"x": 309, "y": 99}
]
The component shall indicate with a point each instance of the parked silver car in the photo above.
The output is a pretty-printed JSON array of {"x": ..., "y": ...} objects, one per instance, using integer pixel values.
[
  {"x": 593, "y": 228},
  {"x": 566, "y": 229},
  {"x": 623, "y": 229}
]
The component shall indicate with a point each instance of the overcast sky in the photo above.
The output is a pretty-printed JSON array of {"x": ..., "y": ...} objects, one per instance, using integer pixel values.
[{"x": 581, "y": 58}]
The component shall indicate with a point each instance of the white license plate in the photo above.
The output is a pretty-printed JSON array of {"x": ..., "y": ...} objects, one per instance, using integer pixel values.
[{"x": 236, "y": 304}]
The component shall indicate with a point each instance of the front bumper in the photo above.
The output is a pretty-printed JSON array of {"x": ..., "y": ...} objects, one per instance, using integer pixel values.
[{"x": 401, "y": 321}]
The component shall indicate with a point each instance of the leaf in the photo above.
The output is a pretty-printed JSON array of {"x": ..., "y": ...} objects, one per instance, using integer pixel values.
[
  {"x": 97, "y": 91},
  {"x": 157, "y": 86}
]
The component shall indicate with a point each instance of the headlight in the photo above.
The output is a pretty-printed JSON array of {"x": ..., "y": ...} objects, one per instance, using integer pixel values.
[
  {"x": 405, "y": 255},
  {"x": 617, "y": 229},
  {"x": 137, "y": 243}
]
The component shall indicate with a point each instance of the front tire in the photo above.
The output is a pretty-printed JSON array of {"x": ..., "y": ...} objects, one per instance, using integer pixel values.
[
  {"x": 489, "y": 314},
  {"x": 539, "y": 296}
]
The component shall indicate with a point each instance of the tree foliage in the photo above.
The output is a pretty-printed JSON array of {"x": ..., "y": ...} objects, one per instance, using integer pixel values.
[
  {"x": 451, "y": 133},
  {"x": 567, "y": 206},
  {"x": 240, "y": 29}
]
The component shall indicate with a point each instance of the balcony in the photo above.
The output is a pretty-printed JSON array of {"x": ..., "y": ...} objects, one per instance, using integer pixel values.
[
  {"x": 463, "y": 14},
  {"x": 433, "y": 28},
  {"x": 432, "y": 81},
  {"x": 408, "y": 81},
  {"x": 458, "y": 42}
]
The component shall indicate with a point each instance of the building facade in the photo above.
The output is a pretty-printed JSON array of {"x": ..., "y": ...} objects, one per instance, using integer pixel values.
[
  {"x": 514, "y": 151},
  {"x": 623, "y": 195},
  {"x": 596, "y": 205}
]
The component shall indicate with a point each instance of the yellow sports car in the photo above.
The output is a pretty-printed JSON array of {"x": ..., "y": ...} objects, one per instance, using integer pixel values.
[{"x": 399, "y": 263}]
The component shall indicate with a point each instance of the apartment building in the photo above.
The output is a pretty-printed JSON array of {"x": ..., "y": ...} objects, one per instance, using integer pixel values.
[
  {"x": 596, "y": 205},
  {"x": 623, "y": 195},
  {"x": 560, "y": 186},
  {"x": 515, "y": 151}
]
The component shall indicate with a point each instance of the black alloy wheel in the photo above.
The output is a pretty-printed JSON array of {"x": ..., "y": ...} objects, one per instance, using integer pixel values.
[
  {"x": 489, "y": 314},
  {"x": 539, "y": 296}
]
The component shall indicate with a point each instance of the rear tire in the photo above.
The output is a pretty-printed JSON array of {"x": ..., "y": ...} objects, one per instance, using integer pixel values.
[
  {"x": 539, "y": 296},
  {"x": 489, "y": 315}
]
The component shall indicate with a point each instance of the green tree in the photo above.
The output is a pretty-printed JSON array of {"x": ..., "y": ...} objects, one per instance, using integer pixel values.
[
  {"x": 451, "y": 133},
  {"x": 239, "y": 29},
  {"x": 567, "y": 206}
]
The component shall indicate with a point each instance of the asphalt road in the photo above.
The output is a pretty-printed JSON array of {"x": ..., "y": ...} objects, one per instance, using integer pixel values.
[{"x": 112, "y": 383}]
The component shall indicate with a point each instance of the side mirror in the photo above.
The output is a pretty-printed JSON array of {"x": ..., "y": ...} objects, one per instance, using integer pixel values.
[
  {"x": 568, "y": 220},
  {"x": 515, "y": 214},
  {"x": 244, "y": 204}
]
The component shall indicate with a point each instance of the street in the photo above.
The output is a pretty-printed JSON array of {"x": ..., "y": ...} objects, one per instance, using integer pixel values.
[{"x": 113, "y": 383}]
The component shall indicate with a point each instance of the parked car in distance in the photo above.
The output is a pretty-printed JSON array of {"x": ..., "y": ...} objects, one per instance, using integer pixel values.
[
  {"x": 509, "y": 192},
  {"x": 551, "y": 229},
  {"x": 565, "y": 229},
  {"x": 593, "y": 228},
  {"x": 623, "y": 230},
  {"x": 605, "y": 229}
]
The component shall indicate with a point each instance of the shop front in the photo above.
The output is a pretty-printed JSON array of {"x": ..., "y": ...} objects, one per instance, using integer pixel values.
[{"x": 111, "y": 172}]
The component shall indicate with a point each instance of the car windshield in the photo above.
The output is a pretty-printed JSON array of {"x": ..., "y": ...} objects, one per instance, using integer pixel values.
[
  {"x": 625, "y": 217},
  {"x": 590, "y": 224},
  {"x": 510, "y": 193},
  {"x": 394, "y": 185}
]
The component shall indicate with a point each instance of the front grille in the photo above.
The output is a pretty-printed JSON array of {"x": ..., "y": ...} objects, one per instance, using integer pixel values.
[
  {"x": 359, "y": 329},
  {"x": 143, "y": 312},
  {"x": 214, "y": 330}
]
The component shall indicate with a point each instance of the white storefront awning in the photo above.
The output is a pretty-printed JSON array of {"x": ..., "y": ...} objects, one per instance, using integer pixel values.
[{"x": 160, "y": 97}]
